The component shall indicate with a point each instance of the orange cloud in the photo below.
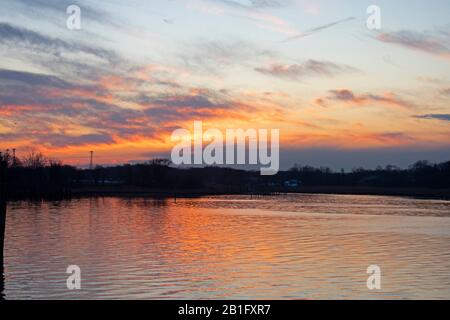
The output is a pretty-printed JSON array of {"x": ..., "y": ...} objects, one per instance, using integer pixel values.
[{"x": 349, "y": 97}]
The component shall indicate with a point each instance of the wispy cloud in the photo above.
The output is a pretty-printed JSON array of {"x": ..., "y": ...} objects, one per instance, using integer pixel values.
[
  {"x": 18, "y": 37},
  {"x": 349, "y": 97},
  {"x": 33, "y": 78},
  {"x": 54, "y": 11},
  {"x": 432, "y": 42},
  {"x": 213, "y": 56},
  {"x": 306, "y": 69},
  {"x": 249, "y": 10},
  {"x": 248, "y": 4},
  {"x": 443, "y": 117},
  {"x": 57, "y": 55},
  {"x": 445, "y": 91}
]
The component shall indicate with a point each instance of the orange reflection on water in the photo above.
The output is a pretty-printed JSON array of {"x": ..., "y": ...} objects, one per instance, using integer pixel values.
[{"x": 284, "y": 247}]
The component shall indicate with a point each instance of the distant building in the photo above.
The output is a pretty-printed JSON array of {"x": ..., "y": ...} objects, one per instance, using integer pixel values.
[{"x": 292, "y": 183}]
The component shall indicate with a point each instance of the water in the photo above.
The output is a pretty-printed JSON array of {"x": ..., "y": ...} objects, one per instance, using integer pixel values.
[{"x": 230, "y": 247}]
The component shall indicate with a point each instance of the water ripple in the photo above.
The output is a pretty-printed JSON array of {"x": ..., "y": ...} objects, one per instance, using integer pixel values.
[{"x": 230, "y": 247}]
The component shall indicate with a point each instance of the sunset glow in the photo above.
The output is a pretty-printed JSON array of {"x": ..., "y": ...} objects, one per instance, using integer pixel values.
[{"x": 134, "y": 73}]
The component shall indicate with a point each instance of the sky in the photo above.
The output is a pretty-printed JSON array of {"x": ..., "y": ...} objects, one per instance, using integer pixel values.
[{"x": 342, "y": 95}]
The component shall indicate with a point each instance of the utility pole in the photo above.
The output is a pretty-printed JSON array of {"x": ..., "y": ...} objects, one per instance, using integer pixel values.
[
  {"x": 14, "y": 157},
  {"x": 91, "y": 162}
]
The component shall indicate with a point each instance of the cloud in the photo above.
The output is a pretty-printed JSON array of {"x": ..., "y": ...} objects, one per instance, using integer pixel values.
[
  {"x": 194, "y": 101},
  {"x": 445, "y": 91},
  {"x": 55, "y": 6},
  {"x": 430, "y": 80},
  {"x": 55, "y": 11},
  {"x": 431, "y": 42},
  {"x": 33, "y": 78},
  {"x": 251, "y": 10},
  {"x": 248, "y": 4},
  {"x": 35, "y": 88},
  {"x": 345, "y": 95},
  {"x": 60, "y": 140},
  {"x": 46, "y": 110},
  {"x": 307, "y": 69},
  {"x": 349, "y": 97},
  {"x": 350, "y": 139},
  {"x": 214, "y": 56},
  {"x": 19, "y": 37},
  {"x": 198, "y": 104},
  {"x": 68, "y": 58},
  {"x": 443, "y": 117}
]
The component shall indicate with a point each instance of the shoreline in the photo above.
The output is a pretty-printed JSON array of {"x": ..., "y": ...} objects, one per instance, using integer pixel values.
[
  {"x": 130, "y": 191},
  {"x": 427, "y": 193}
]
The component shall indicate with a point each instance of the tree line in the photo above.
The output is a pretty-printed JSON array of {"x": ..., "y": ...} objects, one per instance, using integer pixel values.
[{"x": 37, "y": 175}]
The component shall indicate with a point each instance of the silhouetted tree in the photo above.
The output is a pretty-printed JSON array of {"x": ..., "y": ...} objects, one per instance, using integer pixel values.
[{"x": 35, "y": 160}]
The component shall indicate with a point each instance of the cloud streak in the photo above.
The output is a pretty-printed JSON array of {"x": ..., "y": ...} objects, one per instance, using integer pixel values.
[
  {"x": 214, "y": 56},
  {"x": 442, "y": 117},
  {"x": 349, "y": 97},
  {"x": 253, "y": 4},
  {"x": 307, "y": 69},
  {"x": 431, "y": 42},
  {"x": 250, "y": 10},
  {"x": 15, "y": 37}
]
